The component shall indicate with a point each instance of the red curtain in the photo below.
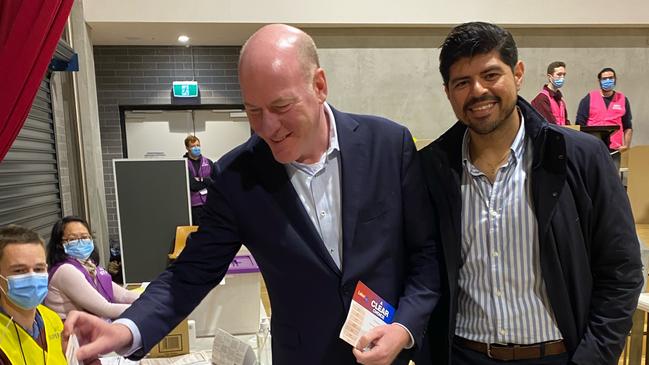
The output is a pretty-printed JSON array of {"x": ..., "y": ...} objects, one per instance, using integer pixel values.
[{"x": 29, "y": 33}]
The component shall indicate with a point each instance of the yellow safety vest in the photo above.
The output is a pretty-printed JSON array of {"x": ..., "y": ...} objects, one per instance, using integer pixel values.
[{"x": 32, "y": 353}]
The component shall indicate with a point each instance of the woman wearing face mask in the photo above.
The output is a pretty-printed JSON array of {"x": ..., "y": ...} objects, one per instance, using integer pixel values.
[
  {"x": 200, "y": 170},
  {"x": 30, "y": 333},
  {"x": 77, "y": 282}
]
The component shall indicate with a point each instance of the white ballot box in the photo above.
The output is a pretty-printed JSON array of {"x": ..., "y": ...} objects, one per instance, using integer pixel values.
[{"x": 234, "y": 304}]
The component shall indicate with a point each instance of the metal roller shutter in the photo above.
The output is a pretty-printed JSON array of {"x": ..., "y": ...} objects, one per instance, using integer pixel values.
[{"x": 29, "y": 180}]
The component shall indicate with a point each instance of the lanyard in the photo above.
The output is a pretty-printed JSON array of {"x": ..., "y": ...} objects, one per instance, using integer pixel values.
[{"x": 21, "y": 345}]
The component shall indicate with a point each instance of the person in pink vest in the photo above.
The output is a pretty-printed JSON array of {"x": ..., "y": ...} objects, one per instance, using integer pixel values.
[
  {"x": 549, "y": 102},
  {"x": 608, "y": 107},
  {"x": 200, "y": 170}
]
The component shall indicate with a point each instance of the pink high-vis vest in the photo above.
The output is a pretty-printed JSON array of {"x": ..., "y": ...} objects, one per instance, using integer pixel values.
[
  {"x": 558, "y": 109},
  {"x": 600, "y": 115}
]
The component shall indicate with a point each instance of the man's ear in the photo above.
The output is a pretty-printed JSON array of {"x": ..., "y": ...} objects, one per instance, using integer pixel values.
[
  {"x": 519, "y": 70},
  {"x": 320, "y": 84}
]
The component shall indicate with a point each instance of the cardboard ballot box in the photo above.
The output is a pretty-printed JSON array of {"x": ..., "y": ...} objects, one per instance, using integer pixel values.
[
  {"x": 174, "y": 344},
  {"x": 234, "y": 304}
]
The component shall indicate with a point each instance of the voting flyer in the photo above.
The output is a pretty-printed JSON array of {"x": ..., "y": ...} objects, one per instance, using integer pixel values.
[
  {"x": 71, "y": 351},
  {"x": 367, "y": 310}
]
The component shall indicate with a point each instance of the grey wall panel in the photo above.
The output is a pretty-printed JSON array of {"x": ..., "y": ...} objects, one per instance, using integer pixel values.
[{"x": 152, "y": 200}]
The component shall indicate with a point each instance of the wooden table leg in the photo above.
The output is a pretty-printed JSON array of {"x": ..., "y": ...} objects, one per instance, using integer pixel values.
[
  {"x": 646, "y": 358},
  {"x": 637, "y": 331}
]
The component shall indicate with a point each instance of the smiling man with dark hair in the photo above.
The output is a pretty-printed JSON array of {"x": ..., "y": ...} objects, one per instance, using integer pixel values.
[{"x": 541, "y": 268}]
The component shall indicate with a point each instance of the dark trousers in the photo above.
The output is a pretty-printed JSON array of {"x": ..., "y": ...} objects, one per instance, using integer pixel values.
[
  {"x": 197, "y": 214},
  {"x": 464, "y": 356}
]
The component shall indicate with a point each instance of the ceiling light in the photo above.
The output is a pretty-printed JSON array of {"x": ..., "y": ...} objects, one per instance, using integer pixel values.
[{"x": 183, "y": 39}]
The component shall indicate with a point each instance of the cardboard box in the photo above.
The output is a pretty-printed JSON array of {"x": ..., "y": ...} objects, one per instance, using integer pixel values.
[{"x": 174, "y": 344}]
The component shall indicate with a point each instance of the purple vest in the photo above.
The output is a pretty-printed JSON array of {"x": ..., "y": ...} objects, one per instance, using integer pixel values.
[
  {"x": 105, "y": 281},
  {"x": 204, "y": 171}
]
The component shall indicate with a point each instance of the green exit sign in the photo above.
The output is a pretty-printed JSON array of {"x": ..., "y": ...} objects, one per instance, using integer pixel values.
[{"x": 185, "y": 89}]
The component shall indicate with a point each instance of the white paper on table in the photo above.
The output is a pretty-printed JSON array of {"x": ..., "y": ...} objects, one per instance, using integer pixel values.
[
  {"x": 196, "y": 358},
  {"x": 229, "y": 350},
  {"x": 71, "y": 351},
  {"x": 116, "y": 360}
]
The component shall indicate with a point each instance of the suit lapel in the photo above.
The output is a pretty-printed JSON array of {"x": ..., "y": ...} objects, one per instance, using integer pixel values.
[
  {"x": 445, "y": 157},
  {"x": 353, "y": 176},
  {"x": 275, "y": 180},
  {"x": 548, "y": 175}
]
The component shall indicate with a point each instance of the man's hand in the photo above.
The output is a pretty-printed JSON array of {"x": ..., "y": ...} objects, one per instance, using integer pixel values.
[
  {"x": 383, "y": 344},
  {"x": 95, "y": 335}
]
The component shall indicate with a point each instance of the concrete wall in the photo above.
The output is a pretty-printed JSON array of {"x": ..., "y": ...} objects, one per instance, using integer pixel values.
[
  {"x": 88, "y": 118},
  {"x": 364, "y": 12},
  {"x": 395, "y": 72},
  {"x": 143, "y": 76}
]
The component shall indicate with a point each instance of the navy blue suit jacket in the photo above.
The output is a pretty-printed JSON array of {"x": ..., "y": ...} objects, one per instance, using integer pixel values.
[{"x": 388, "y": 243}]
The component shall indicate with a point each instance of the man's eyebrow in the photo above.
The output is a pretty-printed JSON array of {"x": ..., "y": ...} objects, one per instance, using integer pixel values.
[
  {"x": 456, "y": 79},
  {"x": 282, "y": 100},
  {"x": 491, "y": 68}
]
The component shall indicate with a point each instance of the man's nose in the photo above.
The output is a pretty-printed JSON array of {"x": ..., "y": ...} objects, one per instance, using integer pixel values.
[
  {"x": 270, "y": 123},
  {"x": 478, "y": 88}
]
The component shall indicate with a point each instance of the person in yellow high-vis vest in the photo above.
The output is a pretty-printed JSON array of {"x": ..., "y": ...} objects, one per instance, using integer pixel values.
[{"x": 30, "y": 333}]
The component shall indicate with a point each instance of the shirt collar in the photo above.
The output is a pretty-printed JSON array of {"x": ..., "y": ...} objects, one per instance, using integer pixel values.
[
  {"x": 517, "y": 148},
  {"x": 333, "y": 131},
  {"x": 555, "y": 94},
  {"x": 333, "y": 145}
]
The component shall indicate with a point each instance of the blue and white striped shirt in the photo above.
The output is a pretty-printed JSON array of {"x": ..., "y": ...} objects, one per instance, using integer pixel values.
[{"x": 502, "y": 296}]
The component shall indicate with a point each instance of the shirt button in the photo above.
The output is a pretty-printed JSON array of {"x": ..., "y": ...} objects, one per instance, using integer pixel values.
[
  {"x": 499, "y": 292},
  {"x": 503, "y": 332},
  {"x": 495, "y": 254},
  {"x": 322, "y": 214}
]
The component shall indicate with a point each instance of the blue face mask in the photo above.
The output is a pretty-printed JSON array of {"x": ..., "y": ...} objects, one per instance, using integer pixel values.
[
  {"x": 79, "y": 249},
  {"x": 557, "y": 82},
  {"x": 607, "y": 84},
  {"x": 196, "y": 151},
  {"x": 27, "y": 290}
]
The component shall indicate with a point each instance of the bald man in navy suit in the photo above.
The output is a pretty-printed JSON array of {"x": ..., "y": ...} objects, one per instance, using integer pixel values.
[{"x": 322, "y": 199}]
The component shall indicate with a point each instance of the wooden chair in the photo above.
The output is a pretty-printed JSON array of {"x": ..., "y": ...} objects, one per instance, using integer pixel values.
[
  {"x": 573, "y": 126},
  {"x": 421, "y": 143},
  {"x": 182, "y": 233},
  {"x": 637, "y": 182}
]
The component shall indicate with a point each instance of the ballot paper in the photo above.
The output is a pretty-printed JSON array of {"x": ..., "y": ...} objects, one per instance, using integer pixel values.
[
  {"x": 367, "y": 310},
  {"x": 116, "y": 360},
  {"x": 196, "y": 358},
  {"x": 229, "y": 350},
  {"x": 71, "y": 351}
]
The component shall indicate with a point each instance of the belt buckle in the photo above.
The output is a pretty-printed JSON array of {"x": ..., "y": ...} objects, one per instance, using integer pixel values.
[{"x": 489, "y": 351}]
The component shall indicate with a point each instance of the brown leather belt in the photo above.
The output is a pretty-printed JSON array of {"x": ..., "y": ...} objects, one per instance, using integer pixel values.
[{"x": 514, "y": 352}]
